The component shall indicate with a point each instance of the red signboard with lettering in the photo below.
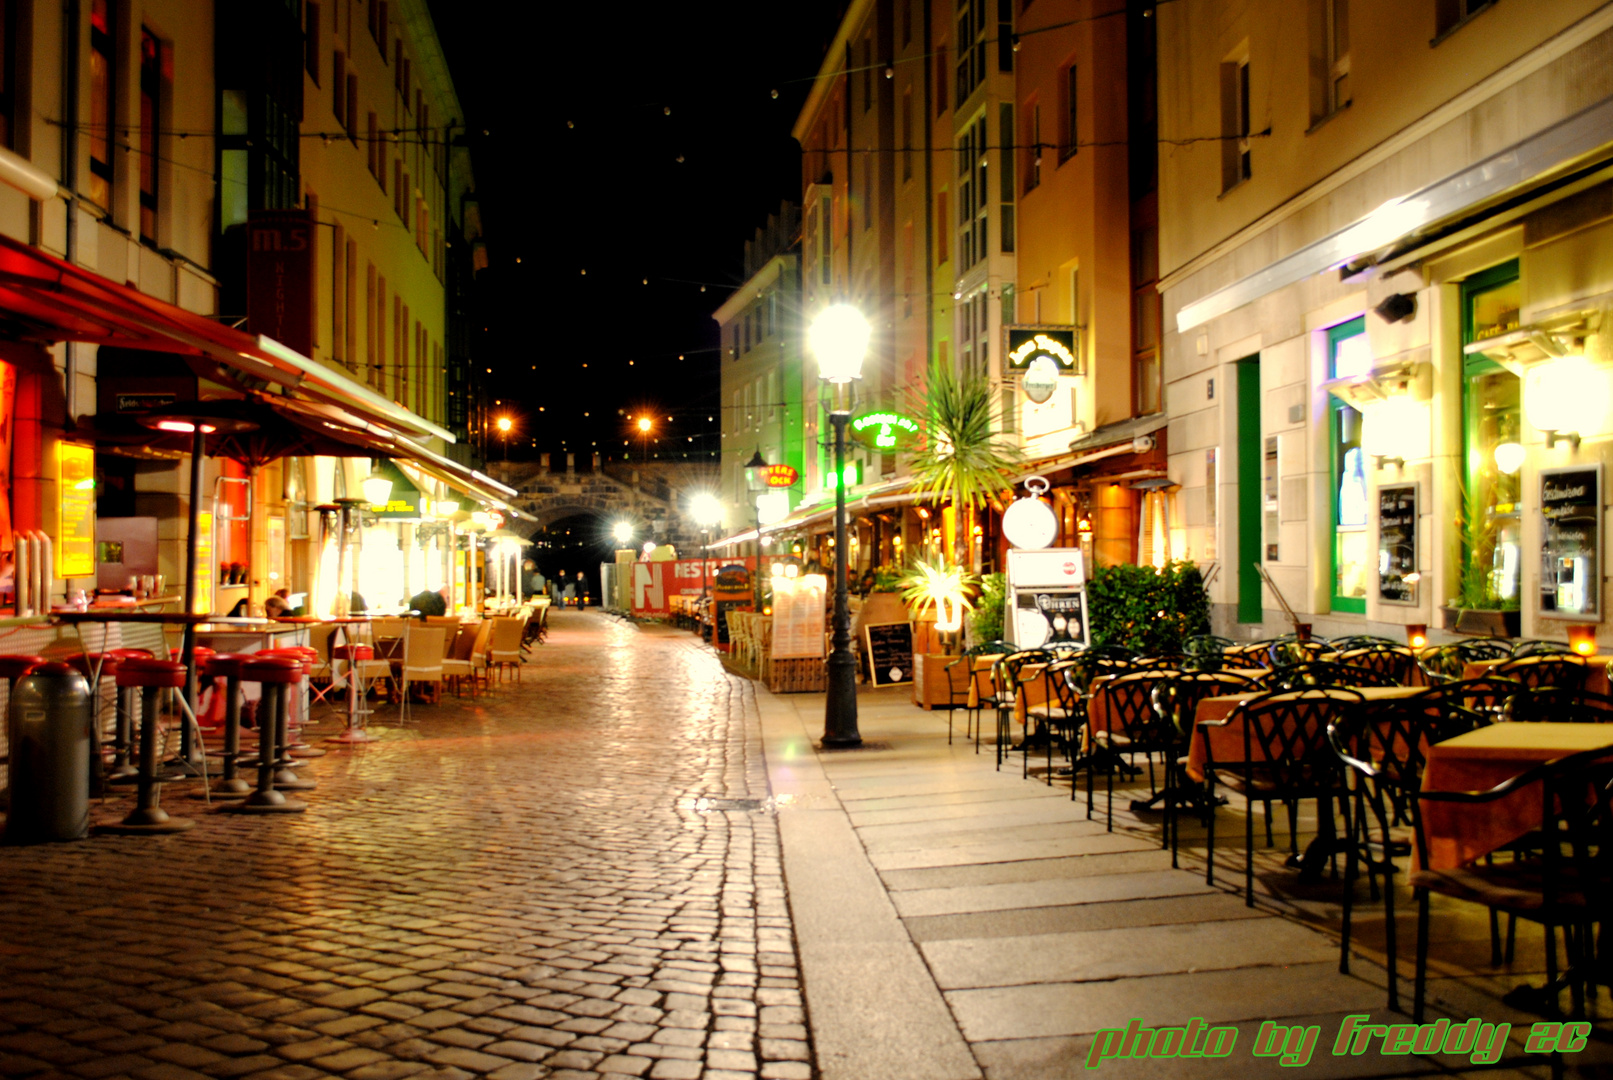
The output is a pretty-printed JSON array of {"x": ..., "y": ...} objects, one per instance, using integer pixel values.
[{"x": 280, "y": 277}]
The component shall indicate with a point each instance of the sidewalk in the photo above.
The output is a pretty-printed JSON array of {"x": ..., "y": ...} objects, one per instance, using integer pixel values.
[{"x": 956, "y": 921}]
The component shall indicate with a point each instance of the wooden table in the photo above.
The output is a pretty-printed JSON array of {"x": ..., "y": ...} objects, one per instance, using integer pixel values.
[
  {"x": 1596, "y": 679},
  {"x": 1227, "y": 740},
  {"x": 1478, "y": 761}
]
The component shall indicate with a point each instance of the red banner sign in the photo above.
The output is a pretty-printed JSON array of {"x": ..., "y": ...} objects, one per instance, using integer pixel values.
[
  {"x": 280, "y": 277},
  {"x": 781, "y": 476}
]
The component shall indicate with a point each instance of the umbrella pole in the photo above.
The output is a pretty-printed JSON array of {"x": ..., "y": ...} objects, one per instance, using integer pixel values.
[{"x": 187, "y": 654}]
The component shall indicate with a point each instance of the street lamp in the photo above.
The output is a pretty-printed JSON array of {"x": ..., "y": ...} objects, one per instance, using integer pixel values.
[
  {"x": 644, "y": 425},
  {"x": 622, "y": 531},
  {"x": 504, "y": 426},
  {"x": 839, "y": 338},
  {"x": 756, "y": 483}
]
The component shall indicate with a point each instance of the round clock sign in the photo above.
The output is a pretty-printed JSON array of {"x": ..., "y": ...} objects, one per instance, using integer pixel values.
[{"x": 1030, "y": 522}]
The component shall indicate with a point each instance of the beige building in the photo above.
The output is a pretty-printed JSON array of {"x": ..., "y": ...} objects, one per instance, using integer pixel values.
[{"x": 1383, "y": 235}]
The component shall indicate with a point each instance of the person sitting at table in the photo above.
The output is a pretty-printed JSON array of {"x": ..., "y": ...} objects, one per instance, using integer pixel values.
[
  {"x": 274, "y": 607},
  {"x": 427, "y": 602}
]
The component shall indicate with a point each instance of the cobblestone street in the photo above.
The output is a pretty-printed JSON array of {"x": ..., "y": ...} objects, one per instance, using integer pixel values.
[{"x": 523, "y": 886}]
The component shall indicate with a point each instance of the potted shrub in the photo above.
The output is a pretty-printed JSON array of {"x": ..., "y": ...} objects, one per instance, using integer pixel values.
[
  {"x": 940, "y": 594},
  {"x": 1479, "y": 607},
  {"x": 1146, "y": 608}
]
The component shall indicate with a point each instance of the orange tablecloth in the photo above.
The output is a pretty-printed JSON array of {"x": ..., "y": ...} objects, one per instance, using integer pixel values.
[
  {"x": 1478, "y": 761},
  {"x": 1227, "y": 741},
  {"x": 1595, "y": 671}
]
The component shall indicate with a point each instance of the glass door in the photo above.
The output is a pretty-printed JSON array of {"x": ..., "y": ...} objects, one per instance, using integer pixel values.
[
  {"x": 1348, "y": 354},
  {"x": 1493, "y": 453}
]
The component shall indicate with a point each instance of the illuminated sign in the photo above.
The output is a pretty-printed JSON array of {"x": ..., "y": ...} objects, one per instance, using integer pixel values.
[
  {"x": 75, "y": 502},
  {"x": 781, "y": 476},
  {"x": 852, "y": 475},
  {"x": 1026, "y": 344},
  {"x": 886, "y": 431}
]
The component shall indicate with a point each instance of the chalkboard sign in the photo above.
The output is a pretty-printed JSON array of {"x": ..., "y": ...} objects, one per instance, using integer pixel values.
[
  {"x": 890, "y": 652},
  {"x": 1571, "y": 542},
  {"x": 1397, "y": 544}
]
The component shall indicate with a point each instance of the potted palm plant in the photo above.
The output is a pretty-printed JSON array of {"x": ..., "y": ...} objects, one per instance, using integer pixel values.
[
  {"x": 1479, "y": 606},
  {"x": 940, "y": 594}
]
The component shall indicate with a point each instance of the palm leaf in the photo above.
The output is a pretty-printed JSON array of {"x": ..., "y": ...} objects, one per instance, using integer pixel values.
[{"x": 960, "y": 459}]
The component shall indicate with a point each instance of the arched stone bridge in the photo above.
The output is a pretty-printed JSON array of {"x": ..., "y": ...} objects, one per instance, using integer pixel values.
[{"x": 651, "y": 496}]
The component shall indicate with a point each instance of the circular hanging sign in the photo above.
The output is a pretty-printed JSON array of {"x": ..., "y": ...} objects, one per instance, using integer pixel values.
[
  {"x": 1041, "y": 379},
  {"x": 781, "y": 476},
  {"x": 1030, "y": 522},
  {"x": 885, "y": 431}
]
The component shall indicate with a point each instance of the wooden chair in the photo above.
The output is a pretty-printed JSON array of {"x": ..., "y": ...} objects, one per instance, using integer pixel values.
[
  {"x": 478, "y": 652},
  {"x": 422, "y": 663},
  {"x": 504, "y": 646},
  {"x": 456, "y": 666}
]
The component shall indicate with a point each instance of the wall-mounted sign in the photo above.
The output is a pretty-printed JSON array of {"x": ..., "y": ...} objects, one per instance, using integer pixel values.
[
  {"x": 781, "y": 476},
  {"x": 884, "y": 431},
  {"x": 280, "y": 274},
  {"x": 1041, "y": 380},
  {"x": 1397, "y": 544},
  {"x": 1027, "y": 344},
  {"x": 75, "y": 501},
  {"x": 404, "y": 500},
  {"x": 1571, "y": 543}
]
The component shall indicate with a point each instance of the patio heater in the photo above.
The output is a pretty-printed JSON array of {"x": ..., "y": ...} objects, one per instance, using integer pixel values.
[{"x": 839, "y": 337}]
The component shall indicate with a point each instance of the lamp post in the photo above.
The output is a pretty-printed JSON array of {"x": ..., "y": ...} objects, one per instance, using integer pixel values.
[
  {"x": 706, "y": 509},
  {"x": 756, "y": 484},
  {"x": 839, "y": 338},
  {"x": 644, "y": 425},
  {"x": 504, "y": 426}
]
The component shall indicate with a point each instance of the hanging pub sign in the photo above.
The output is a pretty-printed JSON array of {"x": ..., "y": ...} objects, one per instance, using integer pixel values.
[
  {"x": 1571, "y": 543},
  {"x": 1040, "y": 354},
  {"x": 884, "y": 431},
  {"x": 1397, "y": 544}
]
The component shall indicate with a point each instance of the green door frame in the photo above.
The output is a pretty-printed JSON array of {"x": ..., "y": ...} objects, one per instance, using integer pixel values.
[
  {"x": 1353, "y": 605},
  {"x": 1251, "y": 606}
]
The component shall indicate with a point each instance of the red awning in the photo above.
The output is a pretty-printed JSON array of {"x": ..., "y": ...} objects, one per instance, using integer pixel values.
[{"x": 44, "y": 299}]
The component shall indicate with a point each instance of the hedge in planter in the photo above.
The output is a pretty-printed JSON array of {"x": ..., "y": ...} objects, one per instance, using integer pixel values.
[{"x": 1147, "y": 609}]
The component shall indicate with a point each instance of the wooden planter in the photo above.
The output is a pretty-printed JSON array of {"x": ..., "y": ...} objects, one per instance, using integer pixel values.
[
  {"x": 1508, "y": 624},
  {"x": 930, "y": 689}
]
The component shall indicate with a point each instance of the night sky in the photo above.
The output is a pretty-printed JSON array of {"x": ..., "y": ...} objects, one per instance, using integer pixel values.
[{"x": 579, "y": 170}]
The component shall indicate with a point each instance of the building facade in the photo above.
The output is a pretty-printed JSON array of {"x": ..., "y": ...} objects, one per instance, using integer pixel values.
[{"x": 1382, "y": 245}]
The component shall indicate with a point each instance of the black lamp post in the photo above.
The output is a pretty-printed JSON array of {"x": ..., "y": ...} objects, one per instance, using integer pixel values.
[
  {"x": 839, "y": 337},
  {"x": 756, "y": 483}
]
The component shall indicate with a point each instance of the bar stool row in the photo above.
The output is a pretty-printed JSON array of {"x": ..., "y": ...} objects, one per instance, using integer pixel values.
[{"x": 280, "y": 673}]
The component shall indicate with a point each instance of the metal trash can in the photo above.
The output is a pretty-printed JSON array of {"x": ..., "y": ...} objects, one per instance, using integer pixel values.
[{"x": 50, "y": 725}]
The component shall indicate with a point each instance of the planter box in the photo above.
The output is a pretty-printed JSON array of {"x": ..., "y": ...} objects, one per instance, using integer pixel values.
[
  {"x": 1507, "y": 624},
  {"x": 930, "y": 690}
]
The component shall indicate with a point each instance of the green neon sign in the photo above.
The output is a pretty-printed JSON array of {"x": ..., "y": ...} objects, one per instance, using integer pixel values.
[{"x": 884, "y": 431}]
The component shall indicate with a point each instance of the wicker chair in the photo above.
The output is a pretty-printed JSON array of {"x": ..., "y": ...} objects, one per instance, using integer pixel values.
[
  {"x": 504, "y": 647},
  {"x": 456, "y": 666}
]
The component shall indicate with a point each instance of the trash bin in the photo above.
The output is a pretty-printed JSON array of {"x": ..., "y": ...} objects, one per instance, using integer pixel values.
[{"x": 49, "y": 723}]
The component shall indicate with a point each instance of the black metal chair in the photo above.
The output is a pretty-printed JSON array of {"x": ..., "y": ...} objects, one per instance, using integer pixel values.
[
  {"x": 1176, "y": 703},
  {"x": 1324, "y": 673},
  {"x": 1286, "y": 758},
  {"x": 1558, "y": 704},
  {"x": 1133, "y": 727},
  {"x": 1539, "y": 647},
  {"x": 961, "y": 676},
  {"x": 1288, "y": 650},
  {"x": 1394, "y": 661},
  {"x": 1386, "y": 744},
  {"x": 1364, "y": 641},
  {"x": 1062, "y": 715},
  {"x": 1007, "y": 681},
  {"x": 1442, "y": 663},
  {"x": 1568, "y": 885},
  {"x": 1207, "y": 650},
  {"x": 1566, "y": 670}
]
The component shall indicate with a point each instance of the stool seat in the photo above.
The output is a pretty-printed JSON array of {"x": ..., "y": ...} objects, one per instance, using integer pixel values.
[
  {"x": 53, "y": 667},
  {"x": 129, "y": 654},
  {"x": 226, "y": 665},
  {"x": 308, "y": 658},
  {"x": 353, "y": 652},
  {"x": 142, "y": 672},
  {"x": 202, "y": 653},
  {"x": 15, "y": 667},
  {"x": 272, "y": 669}
]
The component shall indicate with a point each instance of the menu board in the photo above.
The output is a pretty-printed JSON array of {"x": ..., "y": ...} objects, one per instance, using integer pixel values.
[
  {"x": 890, "y": 652},
  {"x": 1397, "y": 544},
  {"x": 1571, "y": 542},
  {"x": 75, "y": 502},
  {"x": 798, "y": 617}
]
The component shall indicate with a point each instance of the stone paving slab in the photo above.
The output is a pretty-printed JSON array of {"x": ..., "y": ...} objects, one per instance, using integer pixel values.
[{"x": 515, "y": 886}]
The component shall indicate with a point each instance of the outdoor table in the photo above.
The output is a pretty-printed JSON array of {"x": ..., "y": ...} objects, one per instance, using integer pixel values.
[
  {"x": 1595, "y": 670},
  {"x": 1228, "y": 740},
  {"x": 1098, "y": 718},
  {"x": 1481, "y": 759}
]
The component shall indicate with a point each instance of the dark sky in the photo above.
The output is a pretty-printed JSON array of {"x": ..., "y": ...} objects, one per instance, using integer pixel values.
[{"x": 579, "y": 170}]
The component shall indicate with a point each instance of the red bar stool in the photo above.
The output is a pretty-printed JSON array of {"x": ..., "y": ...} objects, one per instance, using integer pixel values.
[
  {"x": 228, "y": 667},
  {"x": 292, "y": 744},
  {"x": 97, "y": 667},
  {"x": 188, "y": 751},
  {"x": 277, "y": 675},
  {"x": 357, "y": 704},
  {"x": 152, "y": 677}
]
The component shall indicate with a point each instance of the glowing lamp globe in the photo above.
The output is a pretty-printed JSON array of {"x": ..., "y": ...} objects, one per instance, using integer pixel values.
[
  {"x": 706, "y": 509},
  {"x": 839, "y": 338},
  {"x": 377, "y": 488},
  {"x": 1560, "y": 395}
]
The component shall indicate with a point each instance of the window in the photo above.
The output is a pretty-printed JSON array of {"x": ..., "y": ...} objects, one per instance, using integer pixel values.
[
  {"x": 972, "y": 195},
  {"x": 371, "y": 306},
  {"x": 10, "y": 58},
  {"x": 1147, "y": 388},
  {"x": 340, "y": 272},
  {"x": 1348, "y": 353},
  {"x": 374, "y": 144},
  {"x": 868, "y": 70},
  {"x": 1005, "y": 182},
  {"x": 1006, "y": 39},
  {"x": 1235, "y": 167},
  {"x": 1492, "y": 540},
  {"x": 972, "y": 35},
  {"x": 338, "y": 90},
  {"x": 1449, "y": 14},
  {"x": 941, "y": 73},
  {"x": 866, "y": 162},
  {"x": 352, "y": 107},
  {"x": 150, "y": 118},
  {"x": 908, "y": 269},
  {"x": 1330, "y": 57},
  {"x": 1033, "y": 146},
  {"x": 825, "y": 240},
  {"x": 103, "y": 101},
  {"x": 907, "y": 21},
  {"x": 379, "y": 317},
  {"x": 1070, "y": 138},
  {"x": 310, "y": 39},
  {"x": 400, "y": 194},
  {"x": 907, "y": 133},
  {"x": 397, "y": 69},
  {"x": 378, "y": 25},
  {"x": 1008, "y": 410},
  {"x": 943, "y": 228}
]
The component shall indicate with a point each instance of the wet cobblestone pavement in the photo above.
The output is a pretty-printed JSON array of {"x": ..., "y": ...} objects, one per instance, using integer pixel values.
[{"x": 525, "y": 886}]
